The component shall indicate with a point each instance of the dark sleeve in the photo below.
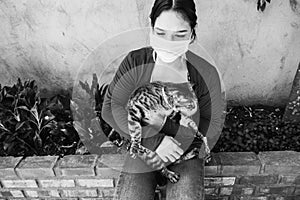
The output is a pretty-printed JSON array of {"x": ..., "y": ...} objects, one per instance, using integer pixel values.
[
  {"x": 204, "y": 102},
  {"x": 117, "y": 95},
  {"x": 114, "y": 106}
]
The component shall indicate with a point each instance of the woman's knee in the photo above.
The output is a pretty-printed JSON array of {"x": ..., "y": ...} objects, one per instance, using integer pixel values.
[
  {"x": 191, "y": 183},
  {"x": 136, "y": 186}
]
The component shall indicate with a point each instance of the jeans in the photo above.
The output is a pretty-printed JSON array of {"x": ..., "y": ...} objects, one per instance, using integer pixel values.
[{"x": 141, "y": 186}]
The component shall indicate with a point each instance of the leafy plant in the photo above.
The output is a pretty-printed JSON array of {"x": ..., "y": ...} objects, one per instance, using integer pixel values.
[
  {"x": 27, "y": 122},
  {"x": 62, "y": 138},
  {"x": 86, "y": 105},
  {"x": 21, "y": 121},
  {"x": 94, "y": 132}
]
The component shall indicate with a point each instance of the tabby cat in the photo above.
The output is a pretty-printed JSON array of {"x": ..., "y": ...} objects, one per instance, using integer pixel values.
[{"x": 169, "y": 99}]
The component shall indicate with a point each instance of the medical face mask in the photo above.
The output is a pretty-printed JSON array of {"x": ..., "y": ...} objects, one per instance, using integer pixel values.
[{"x": 167, "y": 50}]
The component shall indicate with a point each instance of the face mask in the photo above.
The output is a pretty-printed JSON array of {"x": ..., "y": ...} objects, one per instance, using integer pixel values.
[{"x": 167, "y": 50}]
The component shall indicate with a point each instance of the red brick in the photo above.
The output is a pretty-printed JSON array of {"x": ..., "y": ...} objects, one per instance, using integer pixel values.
[
  {"x": 209, "y": 197},
  {"x": 113, "y": 161},
  {"x": 211, "y": 170},
  {"x": 211, "y": 190},
  {"x": 242, "y": 190},
  {"x": 97, "y": 198},
  {"x": 11, "y": 193},
  {"x": 19, "y": 184},
  {"x": 76, "y": 165},
  {"x": 109, "y": 166},
  {"x": 263, "y": 190},
  {"x": 26, "y": 199},
  {"x": 277, "y": 198},
  {"x": 79, "y": 193},
  {"x": 56, "y": 183},
  {"x": 250, "y": 198},
  {"x": 290, "y": 179},
  {"x": 95, "y": 182},
  {"x": 239, "y": 163},
  {"x": 282, "y": 190},
  {"x": 226, "y": 190},
  {"x": 297, "y": 191},
  {"x": 247, "y": 191},
  {"x": 37, "y": 167},
  {"x": 106, "y": 172},
  {"x": 258, "y": 180},
  {"x": 7, "y": 166},
  {"x": 42, "y": 193},
  {"x": 282, "y": 162},
  {"x": 218, "y": 181},
  {"x": 49, "y": 198},
  {"x": 213, "y": 167},
  {"x": 107, "y": 192},
  {"x": 292, "y": 198}
]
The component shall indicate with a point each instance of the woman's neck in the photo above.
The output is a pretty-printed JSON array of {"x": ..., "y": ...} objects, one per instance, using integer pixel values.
[
  {"x": 170, "y": 72},
  {"x": 178, "y": 64}
]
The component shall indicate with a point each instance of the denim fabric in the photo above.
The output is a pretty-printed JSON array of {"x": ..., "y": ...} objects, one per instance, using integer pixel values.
[{"x": 141, "y": 186}]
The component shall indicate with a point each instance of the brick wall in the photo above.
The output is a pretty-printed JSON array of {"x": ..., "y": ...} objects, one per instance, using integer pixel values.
[{"x": 230, "y": 176}]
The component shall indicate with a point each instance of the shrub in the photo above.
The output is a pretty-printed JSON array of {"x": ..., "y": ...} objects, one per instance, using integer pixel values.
[{"x": 30, "y": 125}]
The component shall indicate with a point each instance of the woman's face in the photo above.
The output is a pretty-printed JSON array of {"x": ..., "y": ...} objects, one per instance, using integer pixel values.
[{"x": 171, "y": 26}]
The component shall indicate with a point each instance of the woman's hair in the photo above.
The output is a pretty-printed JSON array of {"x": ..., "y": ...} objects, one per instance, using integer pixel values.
[{"x": 186, "y": 8}]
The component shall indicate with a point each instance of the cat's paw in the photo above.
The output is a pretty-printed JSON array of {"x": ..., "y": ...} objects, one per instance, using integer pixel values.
[
  {"x": 132, "y": 154},
  {"x": 173, "y": 177},
  {"x": 185, "y": 121},
  {"x": 207, "y": 158},
  {"x": 133, "y": 151}
]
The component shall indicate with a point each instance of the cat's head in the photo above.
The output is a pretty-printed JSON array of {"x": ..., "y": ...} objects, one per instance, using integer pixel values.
[{"x": 182, "y": 96}]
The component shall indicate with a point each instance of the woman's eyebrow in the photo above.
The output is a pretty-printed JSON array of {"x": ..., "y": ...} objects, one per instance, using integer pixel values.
[{"x": 180, "y": 31}]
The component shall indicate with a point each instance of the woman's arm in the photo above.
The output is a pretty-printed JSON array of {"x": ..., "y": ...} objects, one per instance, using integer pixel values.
[
  {"x": 116, "y": 97},
  {"x": 114, "y": 106}
]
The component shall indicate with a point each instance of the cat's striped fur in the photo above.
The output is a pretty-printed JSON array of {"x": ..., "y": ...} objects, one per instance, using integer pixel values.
[{"x": 169, "y": 99}]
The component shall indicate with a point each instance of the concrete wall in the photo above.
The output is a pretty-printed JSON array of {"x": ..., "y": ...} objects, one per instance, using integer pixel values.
[{"x": 49, "y": 40}]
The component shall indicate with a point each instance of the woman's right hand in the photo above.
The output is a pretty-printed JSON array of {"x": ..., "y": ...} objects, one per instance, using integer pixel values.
[{"x": 169, "y": 150}]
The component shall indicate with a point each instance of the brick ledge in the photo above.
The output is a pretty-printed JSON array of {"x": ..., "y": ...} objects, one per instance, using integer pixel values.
[{"x": 271, "y": 175}]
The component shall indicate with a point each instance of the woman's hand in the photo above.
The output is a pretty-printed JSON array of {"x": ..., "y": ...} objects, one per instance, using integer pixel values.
[{"x": 169, "y": 149}]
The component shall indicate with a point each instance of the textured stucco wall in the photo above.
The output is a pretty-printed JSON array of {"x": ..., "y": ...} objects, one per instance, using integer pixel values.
[{"x": 49, "y": 40}]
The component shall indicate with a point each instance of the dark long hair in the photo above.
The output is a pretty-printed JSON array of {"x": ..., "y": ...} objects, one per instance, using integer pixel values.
[{"x": 186, "y": 8}]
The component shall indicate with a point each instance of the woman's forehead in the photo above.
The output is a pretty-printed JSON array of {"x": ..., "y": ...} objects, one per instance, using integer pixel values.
[{"x": 171, "y": 21}]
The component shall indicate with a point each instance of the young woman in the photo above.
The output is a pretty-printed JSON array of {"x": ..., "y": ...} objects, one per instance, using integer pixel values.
[{"x": 167, "y": 59}]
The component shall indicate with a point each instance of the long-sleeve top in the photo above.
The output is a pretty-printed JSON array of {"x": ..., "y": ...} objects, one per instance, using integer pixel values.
[{"x": 136, "y": 69}]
